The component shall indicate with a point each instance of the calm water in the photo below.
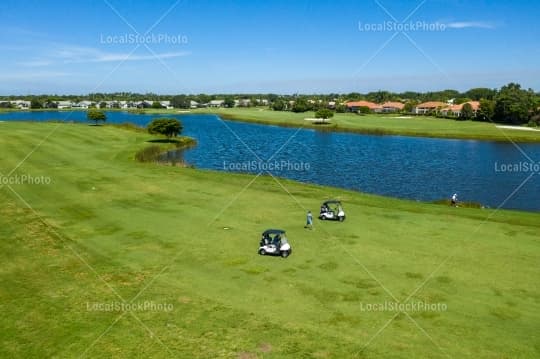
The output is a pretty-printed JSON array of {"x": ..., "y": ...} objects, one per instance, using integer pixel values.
[{"x": 406, "y": 167}]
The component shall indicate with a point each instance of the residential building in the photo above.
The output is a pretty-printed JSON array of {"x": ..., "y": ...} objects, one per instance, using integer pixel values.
[
  {"x": 391, "y": 106},
  {"x": 354, "y": 106},
  {"x": 455, "y": 110},
  {"x": 216, "y": 103},
  {"x": 21, "y": 104},
  {"x": 64, "y": 104},
  {"x": 427, "y": 107}
]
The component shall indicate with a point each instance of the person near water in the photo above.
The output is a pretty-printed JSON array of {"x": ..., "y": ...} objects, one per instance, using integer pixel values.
[
  {"x": 309, "y": 220},
  {"x": 454, "y": 200}
]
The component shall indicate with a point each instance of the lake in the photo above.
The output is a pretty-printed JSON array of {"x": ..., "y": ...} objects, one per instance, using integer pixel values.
[{"x": 415, "y": 168}]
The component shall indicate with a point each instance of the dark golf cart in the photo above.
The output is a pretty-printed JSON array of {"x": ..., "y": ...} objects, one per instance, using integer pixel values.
[
  {"x": 274, "y": 242},
  {"x": 332, "y": 210}
]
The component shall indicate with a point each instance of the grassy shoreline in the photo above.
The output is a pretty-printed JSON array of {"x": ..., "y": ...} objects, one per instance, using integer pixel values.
[{"x": 109, "y": 225}]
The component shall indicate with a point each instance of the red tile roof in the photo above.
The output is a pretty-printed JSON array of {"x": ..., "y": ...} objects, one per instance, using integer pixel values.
[
  {"x": 369, "y": 104},
  {"x": 455, "y": 108},
  {"x": 431, "y": 104},
  {"x": 392, "y": 104}
]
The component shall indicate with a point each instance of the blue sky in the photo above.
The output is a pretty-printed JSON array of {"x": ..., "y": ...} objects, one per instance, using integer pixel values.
[{"x": 266, "y": 46}]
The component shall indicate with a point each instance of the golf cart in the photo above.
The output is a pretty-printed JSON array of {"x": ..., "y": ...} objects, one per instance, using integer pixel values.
[
  {"x": 274, "y": 242},
  {"x": 332, "y": 210}
]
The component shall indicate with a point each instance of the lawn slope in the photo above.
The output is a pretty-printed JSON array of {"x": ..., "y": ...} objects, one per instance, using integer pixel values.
[{"x": 108, "y": 229}]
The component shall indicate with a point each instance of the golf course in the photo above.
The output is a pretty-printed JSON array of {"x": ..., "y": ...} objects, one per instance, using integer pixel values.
[{"x": 104, "y": 256}]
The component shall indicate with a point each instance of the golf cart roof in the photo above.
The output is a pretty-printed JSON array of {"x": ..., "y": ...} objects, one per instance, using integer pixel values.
[
  {"x": 332, "y": 201},
  {"x": 273, "y": 231}
]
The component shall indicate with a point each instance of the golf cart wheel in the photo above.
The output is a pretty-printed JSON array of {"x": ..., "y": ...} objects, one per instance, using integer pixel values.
[
  {"x": 322, "y": 217},
  {"x": 262, "y": 252},
  {"x": 341, "y": 219},
  {"x": 285, "y": 254}
]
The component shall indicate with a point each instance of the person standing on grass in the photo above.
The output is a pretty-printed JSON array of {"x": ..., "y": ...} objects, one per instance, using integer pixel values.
[
  {"x": 309, "y": 220},
  {"x": 454, "y": 200}
]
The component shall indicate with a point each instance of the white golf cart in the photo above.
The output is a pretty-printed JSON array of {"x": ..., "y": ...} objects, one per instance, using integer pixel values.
[
  {"x": 274, "y": 242},
  {"x": 332, "y": 210}
]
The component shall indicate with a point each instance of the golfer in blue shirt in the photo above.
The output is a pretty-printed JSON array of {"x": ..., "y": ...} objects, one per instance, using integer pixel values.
[{"x": 309, "y": 220}]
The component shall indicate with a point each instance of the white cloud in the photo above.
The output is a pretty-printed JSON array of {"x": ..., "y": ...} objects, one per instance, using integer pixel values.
[
  {"x": 79, "y": 54},
  {"x": 22, "y": 76},
  {"x": 469, "y": 24}
]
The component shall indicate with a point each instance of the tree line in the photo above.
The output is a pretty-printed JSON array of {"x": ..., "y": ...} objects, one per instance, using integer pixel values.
[{"x": 509, "y": 104}]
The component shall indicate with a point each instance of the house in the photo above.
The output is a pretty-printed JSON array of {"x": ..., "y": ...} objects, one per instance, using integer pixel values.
[
  {"x": 64, "y": 104},
  {"x": 455, "y": 110},
  {"x": 21, "y": 104},
  {"x": 166, "y": 104},
  {"x": 391, "y": 106},
  {"x": 427, "y": 107},
  {"x": 83, "y": 104},
  {"x": 112, "y": 104},
  {"x": 193, "y": 104},
  {"x": 354, "y": 106},
  {"x": 144, "y": 104},
  {"x": 127, "y": 104},
  {"x": 243, "y": 102},
  {"x": 216, "y": 103}
]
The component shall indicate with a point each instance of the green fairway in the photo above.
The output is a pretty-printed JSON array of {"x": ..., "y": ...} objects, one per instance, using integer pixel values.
[
  {"x": 100, "y": 228},
  {"x": 391, "y": 124}
]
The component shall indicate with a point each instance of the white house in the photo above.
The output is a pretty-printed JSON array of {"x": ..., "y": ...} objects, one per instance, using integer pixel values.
[
  {"x": 22, "y": 104},
  {"x": 83, "y": 104},
  {"x": 166, "y": 104},
  {"x": 216, "y": 103},
  {"x": 64, "y": 104}
]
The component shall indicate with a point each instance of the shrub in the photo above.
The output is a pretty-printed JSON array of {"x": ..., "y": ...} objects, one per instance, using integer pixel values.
[{"x": 149, "y": 154}]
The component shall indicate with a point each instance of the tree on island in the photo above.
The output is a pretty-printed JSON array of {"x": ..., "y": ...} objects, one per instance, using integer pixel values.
[
  {"x": 96, "y": 115},
  {"x": 170, "y": 127},
  {"x": 324, "y": 114}
]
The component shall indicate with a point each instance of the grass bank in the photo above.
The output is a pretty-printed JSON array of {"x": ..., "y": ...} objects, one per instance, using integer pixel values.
[{"x": 106, "y": 228}]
